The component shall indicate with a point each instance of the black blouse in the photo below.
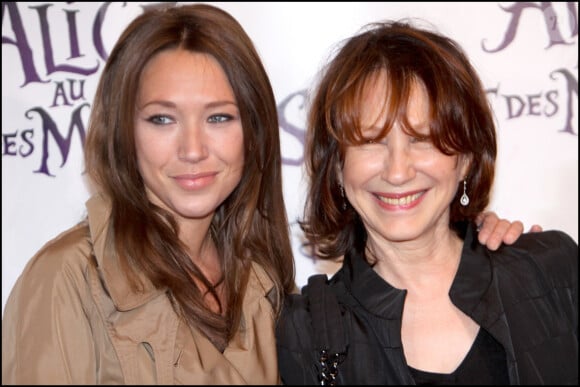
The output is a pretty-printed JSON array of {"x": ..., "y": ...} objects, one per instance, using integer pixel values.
[
  {"x": 524, "y": 296},
  {"x": 484, "y": 364}
]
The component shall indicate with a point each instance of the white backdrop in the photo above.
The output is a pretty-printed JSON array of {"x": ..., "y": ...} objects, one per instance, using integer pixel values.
[{"x": 52, "y": 55}]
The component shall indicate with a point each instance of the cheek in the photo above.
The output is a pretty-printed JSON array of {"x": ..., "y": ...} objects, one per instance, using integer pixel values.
[
  {"x": 360, "y": 166},
  {"x": 237, "y": 148},
  {"x": 237, "y": 163},
  {"x": 232, "y": 149},
  {"x": 227, "y": 148},
  {"x": 141, "y": 150},
  {"x": 432, "y": 158},
  {"x": 151, "y": 150},
  {"x": 441, "y": 167}
]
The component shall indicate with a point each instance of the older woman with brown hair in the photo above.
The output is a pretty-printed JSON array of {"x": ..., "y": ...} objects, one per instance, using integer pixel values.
[{"x": 401, "y": 155}]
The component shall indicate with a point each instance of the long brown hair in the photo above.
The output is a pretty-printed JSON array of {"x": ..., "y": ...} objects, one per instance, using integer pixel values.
[
  {"x": 461, "y": 122},
  {"x": 250, "y": 226}
]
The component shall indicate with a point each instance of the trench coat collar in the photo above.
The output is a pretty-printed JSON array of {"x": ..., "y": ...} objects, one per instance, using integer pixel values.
[
  {"x": 99, "y": 210},
  {"x": 124, "y": 299}
]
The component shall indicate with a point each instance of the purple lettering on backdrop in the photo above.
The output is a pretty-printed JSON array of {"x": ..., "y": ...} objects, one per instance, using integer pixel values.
[
  {"x": 287, "y": 127},
  {"x": 551, "y": 101},
  {"x": 516, "y": 105},
  {"x": 26, "y": 136},
  {"x": 546, "y": 103},
  {"x": 66, "y": 94},
  {"x": 534, "y": 102},
  {"x": 19, "y": 143},
  {"x": 97, "y": 28},
  {"x": 572, "y": 88},
  {"x": 71, "y": 19},
  {"x": 514, "y": 100},
  {"x": 51, "y": 67},
  {"x": 61, "y": 92},
  {"x": 543, "y": 103},
  {"x": 98, "y": 24},
  {"x": 21, "y": 43},
  {"x": 9, "y": 144},
  {"x": 49, "y": 127},
  {"x": 550, "y": 20}
]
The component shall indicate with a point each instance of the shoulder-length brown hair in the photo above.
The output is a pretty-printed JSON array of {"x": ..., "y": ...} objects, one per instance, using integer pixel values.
[
  {"x": 251, "y": 225},
  {"x": 461, "y": 122}
]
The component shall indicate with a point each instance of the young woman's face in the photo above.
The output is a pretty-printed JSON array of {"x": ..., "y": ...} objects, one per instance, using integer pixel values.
[
  {"x": 188, "y": 134},
  {"x": 401, "y": 186}
]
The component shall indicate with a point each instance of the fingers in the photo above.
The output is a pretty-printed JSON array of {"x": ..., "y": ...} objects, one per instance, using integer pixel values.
[
  {"x": 486, "y": 224},
  {"x": 513, "y": 232},
  {"x": 496, "y": 231}
]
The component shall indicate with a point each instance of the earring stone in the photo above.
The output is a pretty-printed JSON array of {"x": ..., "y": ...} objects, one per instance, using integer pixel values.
[{"x": 464, "y": 200}]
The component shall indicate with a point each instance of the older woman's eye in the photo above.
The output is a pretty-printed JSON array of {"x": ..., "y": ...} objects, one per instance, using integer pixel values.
[
  {"x": 369, "y": 140},
  {"x": 416, "y": 139}
]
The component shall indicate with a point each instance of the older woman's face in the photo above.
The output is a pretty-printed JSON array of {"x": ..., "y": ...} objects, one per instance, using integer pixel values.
[
  {"x": 401, "y": 186},
  {"x": 188, "y": 134}
]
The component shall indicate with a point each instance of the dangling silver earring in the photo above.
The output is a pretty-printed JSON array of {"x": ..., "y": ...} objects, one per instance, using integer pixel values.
[
  {"x": 464, "y": 198},
  {"x": 343, "y": 197}
]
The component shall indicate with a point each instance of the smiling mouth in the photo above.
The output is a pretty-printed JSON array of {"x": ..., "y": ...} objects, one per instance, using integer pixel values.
[
  {"x": 402, "y": 201},
  {"x": 196, "y": 181}
]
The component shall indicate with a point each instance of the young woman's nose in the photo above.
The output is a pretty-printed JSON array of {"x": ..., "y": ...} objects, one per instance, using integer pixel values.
[{"x": 192, "y": 143}]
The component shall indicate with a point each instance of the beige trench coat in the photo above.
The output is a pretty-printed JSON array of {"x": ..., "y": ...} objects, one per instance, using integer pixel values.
[{"x": 71, "y": 319}]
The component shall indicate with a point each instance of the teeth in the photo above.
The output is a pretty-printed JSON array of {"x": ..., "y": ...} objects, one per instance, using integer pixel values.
[{"x": 400, "y": 201}]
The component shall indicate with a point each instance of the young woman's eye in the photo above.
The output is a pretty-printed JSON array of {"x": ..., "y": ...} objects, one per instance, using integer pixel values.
[
  {"x": 159, "y": 119},
  {"x": 219, "y": 118}
]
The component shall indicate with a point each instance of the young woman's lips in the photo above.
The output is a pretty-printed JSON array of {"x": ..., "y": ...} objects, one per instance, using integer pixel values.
[{"x": 192, "y": 182}]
